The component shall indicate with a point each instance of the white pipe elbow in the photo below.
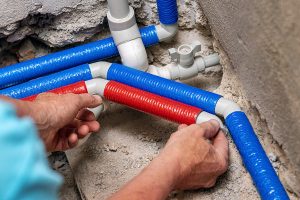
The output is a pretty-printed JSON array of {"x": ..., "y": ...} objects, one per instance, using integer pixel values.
[
  {"x": 225, "y": 107},
  {"x": 205, "y": 116},
  {"x": 133, "y": 54},
  {"x": 166, "y": 32},
  {"x": 96, "y": 86}
]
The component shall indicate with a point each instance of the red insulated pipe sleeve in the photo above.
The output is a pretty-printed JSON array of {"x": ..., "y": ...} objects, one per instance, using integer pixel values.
[
  {"x": 75, "y": 88},
  {"x": 151, "y": 103}
]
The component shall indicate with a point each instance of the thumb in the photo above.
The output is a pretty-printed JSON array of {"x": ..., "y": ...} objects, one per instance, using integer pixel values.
[{"x": 87, "y": 101}]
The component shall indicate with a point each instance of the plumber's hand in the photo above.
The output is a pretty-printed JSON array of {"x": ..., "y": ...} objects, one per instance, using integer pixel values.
[
  {"x": 63, "y": 119},
  {"x": 201, "y": 153}
]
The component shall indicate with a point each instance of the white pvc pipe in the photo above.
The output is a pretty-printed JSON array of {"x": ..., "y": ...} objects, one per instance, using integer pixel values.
[{"x": 118, "y": 8}]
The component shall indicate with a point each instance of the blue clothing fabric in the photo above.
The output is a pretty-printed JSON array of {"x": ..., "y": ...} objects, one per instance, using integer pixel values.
[{"x": 24, "y": 170}]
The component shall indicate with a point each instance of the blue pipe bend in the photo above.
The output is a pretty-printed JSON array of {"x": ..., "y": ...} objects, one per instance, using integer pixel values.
[{"x": 49, "y": 82}]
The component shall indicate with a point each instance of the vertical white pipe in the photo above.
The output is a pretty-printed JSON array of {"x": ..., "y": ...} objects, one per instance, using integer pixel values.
[{"x": 119, "y": 9}]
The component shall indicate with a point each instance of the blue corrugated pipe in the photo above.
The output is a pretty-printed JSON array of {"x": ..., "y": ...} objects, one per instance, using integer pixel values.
[
  {"x": 49, "y": 82},
  {"x": 167, "y": 11},
  {"x": 54, "y": 62},
  {"x": 252, "y": 153}
]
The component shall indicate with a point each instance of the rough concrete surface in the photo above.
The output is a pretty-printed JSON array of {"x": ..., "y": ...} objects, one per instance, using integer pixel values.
[{"x": 128, "y": 139}]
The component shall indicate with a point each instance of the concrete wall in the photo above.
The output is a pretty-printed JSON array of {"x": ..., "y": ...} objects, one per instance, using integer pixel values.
[{"x": 262, "y": 40}]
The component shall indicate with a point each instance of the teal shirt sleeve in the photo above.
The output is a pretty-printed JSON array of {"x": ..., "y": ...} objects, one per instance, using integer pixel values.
[{"x": 24, "y": 170}]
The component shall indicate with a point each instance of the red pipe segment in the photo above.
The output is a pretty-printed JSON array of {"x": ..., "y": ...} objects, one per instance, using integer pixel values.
[
  {"x": 151, "y": 103},
  {"x": 76, "y": 88},
  {"x": 139, "y": 100}
]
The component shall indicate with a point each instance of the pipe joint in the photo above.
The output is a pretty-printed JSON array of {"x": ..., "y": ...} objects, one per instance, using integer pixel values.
[
  {"x": 118, "y": 24},
  {"x": 96, "y": 86},
  {"x": 166, "y": 32},
  {"x": 99, "y": 69},
  {"x": 205, "y": 116},
  {"x": 225, "y": 107}
]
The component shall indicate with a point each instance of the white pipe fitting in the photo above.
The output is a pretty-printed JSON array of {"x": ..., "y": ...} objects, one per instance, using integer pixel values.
[
  {"x": 205, "y": 116},
  {"x": 99, "y": 69},
  {"x": 175, "y": 71},
  {"x": 225, "y": 107},
  {"x": 166, "y": 32},
  {"x": 96, "y": 86},
  {"x": 126, "y": 35}
]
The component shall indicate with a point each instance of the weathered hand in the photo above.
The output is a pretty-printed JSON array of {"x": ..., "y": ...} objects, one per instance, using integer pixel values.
[
  {"x": 63, "y": 119},
  {"x": 201, "y": 153},
  {"x": 193, "y": 158}
]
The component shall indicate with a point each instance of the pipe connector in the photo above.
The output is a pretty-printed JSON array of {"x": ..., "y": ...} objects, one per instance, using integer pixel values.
[
  {"x": 225, "y": 107},
  {"x": 166, "y": 32},
  {"x": 205, "y": 116},
  {"x": 96, "y": 86},
  {"x": 99, "y": 69},
  {"x": 175, "y": 71},
  {"x": 126, "y": 34},
  {"x": 185, "y": 54}
]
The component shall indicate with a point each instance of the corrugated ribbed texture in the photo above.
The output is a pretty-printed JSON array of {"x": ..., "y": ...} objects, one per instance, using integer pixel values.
[
  {"x": 151, "y": 103},
  {"x": 76, "y": 88},
  {"x": 255, "y": 158},
  {"x": 149, "y": 35},
  {"x": 163, "y": 87},
  {"x": 49, "y": 82},
  {"x": 167, "y": 11},
  {"x": 54, "y": 62}
]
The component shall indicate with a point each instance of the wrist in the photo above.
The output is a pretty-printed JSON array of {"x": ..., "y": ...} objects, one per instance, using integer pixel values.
[{"x": 168, "y": 168}]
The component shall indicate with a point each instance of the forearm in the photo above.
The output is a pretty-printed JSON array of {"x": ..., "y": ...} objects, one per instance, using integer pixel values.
[{"x": 156, "y": 181}]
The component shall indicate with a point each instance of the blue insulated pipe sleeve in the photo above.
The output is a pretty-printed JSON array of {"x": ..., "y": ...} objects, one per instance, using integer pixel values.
[
  {"x": 49, "y": 82},
  {"x": 54, "y": 62},
  {"x": 164, "y": 87},
  {"x": 254, "y": 157},
  {"x": 149, "y": 35},
  {"x": 167, "y": 11}
]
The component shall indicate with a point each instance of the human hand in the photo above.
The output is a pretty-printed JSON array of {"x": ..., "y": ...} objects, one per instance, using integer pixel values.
[
  {"x": 200, "y": 153},
  {"x": 63, "y": 119}
]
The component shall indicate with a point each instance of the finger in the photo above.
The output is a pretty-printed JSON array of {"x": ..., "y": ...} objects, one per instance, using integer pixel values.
[
  {"x": 210, "y": 129},
  {"x": 72, "y": 140},
  {"x": 83, "y": 131},
  {"x": 86, "y": 115},
  {"x": 220, "y": 144},
  {"x": 181, "y": 126},
  {"x": 92, "y": 125},
  {"x": 87, "y": 101}
]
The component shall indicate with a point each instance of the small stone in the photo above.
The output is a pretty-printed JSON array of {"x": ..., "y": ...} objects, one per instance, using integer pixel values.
[
  {"x": 273, "y": 157},
  {"x": 27, "y": 51}
]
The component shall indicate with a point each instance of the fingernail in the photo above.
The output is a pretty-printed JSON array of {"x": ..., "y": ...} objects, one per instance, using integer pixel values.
[{"x": 98, "y": 98}]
